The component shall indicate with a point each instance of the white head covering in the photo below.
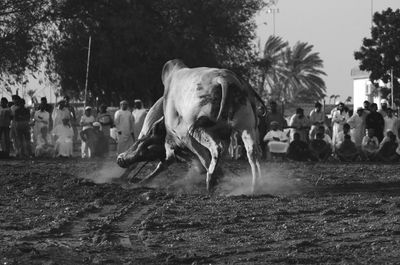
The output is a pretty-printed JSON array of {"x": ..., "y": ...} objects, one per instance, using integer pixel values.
[{"x": 384, "y": 101}]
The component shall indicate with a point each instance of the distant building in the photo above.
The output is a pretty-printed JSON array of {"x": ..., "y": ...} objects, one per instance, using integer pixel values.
[{"x": 363, "y": 89}]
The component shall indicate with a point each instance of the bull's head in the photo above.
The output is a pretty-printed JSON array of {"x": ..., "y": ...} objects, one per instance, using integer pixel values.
[{"x": 148, "y": 148}]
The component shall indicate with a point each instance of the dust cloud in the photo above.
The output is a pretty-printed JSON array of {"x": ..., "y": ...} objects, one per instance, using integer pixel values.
[
  {"x": 105, "y": 173},
  {"x": 273, "y": 181},
  {"x": 235, "y": 180},
  {"x": 182, "y": 179}
]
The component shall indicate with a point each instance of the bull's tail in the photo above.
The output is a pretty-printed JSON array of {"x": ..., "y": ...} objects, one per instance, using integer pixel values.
[{"x": 224, "y": 92}]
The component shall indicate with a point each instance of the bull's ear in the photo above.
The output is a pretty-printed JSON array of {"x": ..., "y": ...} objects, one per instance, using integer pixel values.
[{"x": 170, "y": 67}]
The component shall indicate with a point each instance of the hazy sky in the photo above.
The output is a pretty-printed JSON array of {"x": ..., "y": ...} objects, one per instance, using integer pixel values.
[{"x": 335, "y": 28}]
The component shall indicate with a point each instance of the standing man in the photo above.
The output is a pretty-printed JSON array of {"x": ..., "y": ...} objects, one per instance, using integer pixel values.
[
  {"x": 49, "y": 108},
  {"x": 384, "y": 107},
  {"x": 375, "y": 121},
  {"x": 5, "y": 121},
  {"x": 317, "y": 118},
  {"x": 274, "y": 115},
  {"x": 299, "y": 124},
  {"x": 60, "y": 113},
  {"x": 366, "y": 106},
  {"x": 139, "y": 114},
  {"x": 339, "y": 118},
  {"x": 21, "y": 119},
  {"x": 390, "y": 121},
  {"x": 106, "y": 121},
  {"x": 41, "y": 119},
  {"x": 72, "y": 115},
  {"x": 13, "y": 130},
  {"x": 87, "y": 121},
  {"x": 357, "y": 127},
  {"x": 124, "y": 124}
]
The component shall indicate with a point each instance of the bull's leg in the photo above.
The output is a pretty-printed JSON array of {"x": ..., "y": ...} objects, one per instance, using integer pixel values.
[
  {"x": 207, "y": 141},
  {"x": 250, "y": 143}
]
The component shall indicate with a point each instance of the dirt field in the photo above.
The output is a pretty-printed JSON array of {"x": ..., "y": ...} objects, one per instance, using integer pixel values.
[{"x": 60, "y": 212}]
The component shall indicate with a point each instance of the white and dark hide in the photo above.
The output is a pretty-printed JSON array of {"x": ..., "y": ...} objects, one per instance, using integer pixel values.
[{"x": 198, "y": 112}]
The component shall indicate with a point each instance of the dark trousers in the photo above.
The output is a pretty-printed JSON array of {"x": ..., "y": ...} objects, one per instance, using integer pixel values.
[
  {"x": 5, "y": 139},
  {"x": 24, "y": 140}
]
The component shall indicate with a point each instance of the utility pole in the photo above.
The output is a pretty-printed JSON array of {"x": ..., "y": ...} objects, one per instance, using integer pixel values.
[
  {"x": 272, "y": 9},
  {"x": 87, "y": 70},
  {"x": 372, "y": 13},
  {"x": 391, "y": 87}
]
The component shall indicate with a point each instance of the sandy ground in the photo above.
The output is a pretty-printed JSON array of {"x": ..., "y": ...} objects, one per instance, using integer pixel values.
[{"x": 78, "y": 212}]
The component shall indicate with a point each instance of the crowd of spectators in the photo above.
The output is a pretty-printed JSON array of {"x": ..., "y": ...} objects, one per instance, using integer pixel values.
[
  {"x": 368, "y": 134},
  {"x": 47, "y": 131}
]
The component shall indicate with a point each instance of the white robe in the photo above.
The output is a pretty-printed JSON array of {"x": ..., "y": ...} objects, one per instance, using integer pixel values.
[
  {"x": 44, "y": 147},
  {"x": 316, "y": 117},
  {"x": 357, "y": 129},
  {"x": 59, "y": 115},
  {"x": 124, "y": 123},
  {"x": 41, "y": 119},
  {"x": 138, "y": 115},
  {"x": 300, "y": 126},
  {"x": 63, "y": 144},
  {"x": 85, "y": 152},
  {"x": 338, "y": 119},
  {"x": 389, "y": 124},
  {"x": 274, "y": 146}
]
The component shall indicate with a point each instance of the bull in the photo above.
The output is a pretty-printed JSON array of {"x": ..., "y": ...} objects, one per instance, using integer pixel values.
[{"x": 199, "y": 110}]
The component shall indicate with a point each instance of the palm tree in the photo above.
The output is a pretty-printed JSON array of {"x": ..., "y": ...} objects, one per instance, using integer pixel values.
[
  {"x": 348, "y": 100},
  {"x": 289, "y": 72},
  {"x": 330, "y": 98},
  {"x": 271, "y": 64},
  {"x": 303, "y": 72},
  {"x": 30, "y": 93}
]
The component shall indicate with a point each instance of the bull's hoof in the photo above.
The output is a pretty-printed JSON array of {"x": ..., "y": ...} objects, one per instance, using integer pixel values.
[{"x": 211, "y": 185}]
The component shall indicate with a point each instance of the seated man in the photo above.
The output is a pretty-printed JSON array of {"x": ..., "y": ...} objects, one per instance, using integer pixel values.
[
  {"x": 340, "y": 137},
  {"x": 63, "y": 134},
  {"x": 347, "y": 151},
  {"x": 277, "y": 140},
  {"x": 387, "y": 152},
  {"x": 387, "y": 138},
  {"x": 95, "y": 140},
  {"x": 369, "y": 145},
  {"x": 326, "y": 138},
  {"x": 298, "y": 150},
  {"x": 320, "y": 150},
  {"x": 44, "y": 146}
]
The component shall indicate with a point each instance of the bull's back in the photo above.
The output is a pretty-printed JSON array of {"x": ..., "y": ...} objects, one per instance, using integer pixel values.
[{"x": 193, "y": 93}]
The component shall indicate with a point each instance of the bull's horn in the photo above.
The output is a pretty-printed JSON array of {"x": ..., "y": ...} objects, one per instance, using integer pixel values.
[
  {"x": 155, "y": 113},
  {"x": 224, "y": 89}
]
